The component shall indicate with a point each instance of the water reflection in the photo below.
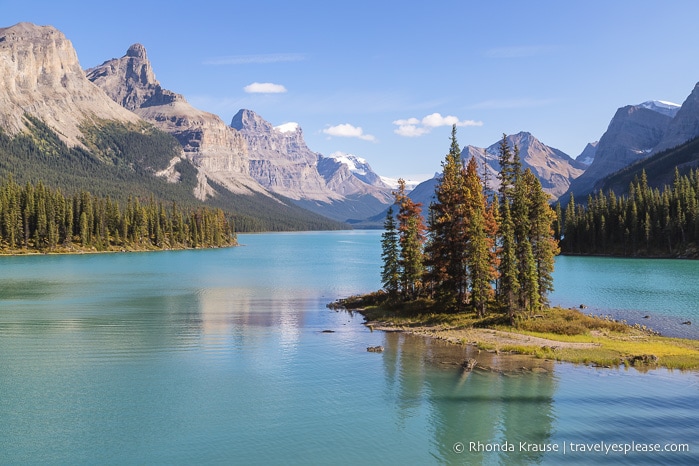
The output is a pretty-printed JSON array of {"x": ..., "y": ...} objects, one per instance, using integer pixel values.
[{"x": 481, "y": 410}]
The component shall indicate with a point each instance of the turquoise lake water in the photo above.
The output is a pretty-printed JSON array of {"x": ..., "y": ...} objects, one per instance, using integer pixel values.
[{"x": 219, "y": 357}]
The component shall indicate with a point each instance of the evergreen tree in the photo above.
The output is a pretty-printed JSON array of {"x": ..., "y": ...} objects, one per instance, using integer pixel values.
[
  {"x": 526, "y": 267},
  {"x": 541, "y": 236},
  {"x": 411, "y": 232},
  {"x": 390, "y": 272},
  {"x": 447, "y": 249},
  {"x": 479, "y": 260},
  {"x": 508, "y": 283}
]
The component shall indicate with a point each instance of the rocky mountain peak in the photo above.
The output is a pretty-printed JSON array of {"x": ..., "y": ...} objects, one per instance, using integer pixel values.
[
  {"x": 588, "y": 154},
  {"x": 219, "y": 152},
  {"x": 137, "y": 51},
  {"x": 632, "y": 134},
  {"x": 554, "y": 168},
  {"x": 685, "y": 125},
  {"x": 40, "y": 75},
  {"x": 248, "y": 120},
  {"x": 661, "y": 106},
  {"x": 130, "y": 80}
]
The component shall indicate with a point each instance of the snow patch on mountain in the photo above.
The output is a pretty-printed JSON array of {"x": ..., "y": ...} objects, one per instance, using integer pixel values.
[
  {"x": 661, "y": 106},
  {"x": 393, "y": 183},
  {"x": 287, "y": 127},
  {"x": 357, "y": 165}
]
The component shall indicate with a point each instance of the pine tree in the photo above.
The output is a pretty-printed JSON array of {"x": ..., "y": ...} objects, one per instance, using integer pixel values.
[
  {"x": 541, "y": 236},
  {"x": 529, "y": 297},
  {"x": 479, "y": 260},
  {"x": 390, "y": 273},
  {"x": 411, "y": 232},
  {"x": 508, "y": 283},
  {"x": 447, "y": 248}
]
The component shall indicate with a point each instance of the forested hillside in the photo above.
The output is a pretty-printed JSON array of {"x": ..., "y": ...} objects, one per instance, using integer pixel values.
[
  {"x": 646, "y": 222},
  {"x": 120, "y": 161}
]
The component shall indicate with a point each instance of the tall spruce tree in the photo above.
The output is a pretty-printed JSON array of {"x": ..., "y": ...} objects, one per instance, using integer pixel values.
[
  {"x": 411, "y": 234},
  {"x": 508, "y": 286},
  {"x": 448, "y": 248},
  {"x": 542, "y": 236},
  {"x": 390, "y": 272},
  {"x": 528, "y": 299},
  {"x": 479, "y": 260}
]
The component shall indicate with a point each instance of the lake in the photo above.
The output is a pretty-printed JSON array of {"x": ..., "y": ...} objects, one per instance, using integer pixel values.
[{"x": 220, "y": 357}]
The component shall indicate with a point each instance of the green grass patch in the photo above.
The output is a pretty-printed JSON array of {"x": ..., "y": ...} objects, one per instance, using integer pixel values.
[
  {"x": 560, "y": 321},
  {"x": 616, "y": 343}
]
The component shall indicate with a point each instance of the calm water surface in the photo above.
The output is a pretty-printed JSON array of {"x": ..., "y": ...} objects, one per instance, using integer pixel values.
[{"x": 219, "y": 357}]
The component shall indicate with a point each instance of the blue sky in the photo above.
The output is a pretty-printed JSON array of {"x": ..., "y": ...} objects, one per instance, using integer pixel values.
[{"x": 385, "y": 80}]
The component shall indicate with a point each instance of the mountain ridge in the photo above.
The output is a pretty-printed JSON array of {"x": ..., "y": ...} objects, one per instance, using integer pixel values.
[
  {"x": 58, "y": 127},
  {"x": 40, "y": 76},
  {"x": 635, "y": 133},
  {"x": 219, "y": 153}
]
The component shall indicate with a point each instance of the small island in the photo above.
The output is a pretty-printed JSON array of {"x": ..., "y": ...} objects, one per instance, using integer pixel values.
[
  {"x": 482, "y": 273},
  {"x": 565, "y": 335}
]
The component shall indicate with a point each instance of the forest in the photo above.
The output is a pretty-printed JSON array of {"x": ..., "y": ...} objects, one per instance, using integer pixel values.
[
  {"x": 34, "y": 218},
  {"x": 481, "y": 251},
  {"x": 118, "y": 161},
  {"x": 648, "y": 222}
]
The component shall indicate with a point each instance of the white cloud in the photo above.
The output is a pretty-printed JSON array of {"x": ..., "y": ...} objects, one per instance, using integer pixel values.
[
  {"x": 412, "y": 127},
  {"x": 346, "y": 130},
  {"x": 255, "y": 59},
  {"x": 264, "y": 88},
  {"x": 410, "y": 131}
]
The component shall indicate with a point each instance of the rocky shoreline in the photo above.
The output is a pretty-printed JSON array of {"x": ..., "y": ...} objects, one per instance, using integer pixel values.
[
  {"x": 561, "y": 335},
  {"x": 481, "y": 348}
]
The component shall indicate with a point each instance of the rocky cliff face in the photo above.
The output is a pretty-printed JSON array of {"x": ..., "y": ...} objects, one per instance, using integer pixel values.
[
  {"x": 553, "y": 168},
  {"x": 351, "y": 175},
  {"x": 588, "y": 154},
  {"x": 632, "y": 135},
  {"x": 217, "y": 150},
  {"x": 280, "y": 160},
  {"x": 685, "y": 124},
  {"x": 40, "y": 75}
]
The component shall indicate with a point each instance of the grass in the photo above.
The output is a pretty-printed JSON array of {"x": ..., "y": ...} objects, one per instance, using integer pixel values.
[{"x": 610, "y": 343}]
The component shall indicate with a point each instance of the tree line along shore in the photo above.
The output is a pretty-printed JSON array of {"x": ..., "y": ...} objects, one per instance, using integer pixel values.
[{"x": 37, "y": 219}]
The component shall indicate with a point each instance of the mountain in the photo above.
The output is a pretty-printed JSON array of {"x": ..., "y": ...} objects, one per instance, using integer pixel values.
[
  {"x": 40, "y": 76},
  {"x": 341, "y": 188},
  {"x": 218, "y": 151},
  {"x": 587, "y": 156},
  {"x": 58, "y": 127},
  {"x": 666, "y": 108},
  {"x": 659, "y": 168},
  {"x": 357, "y": 166},
  {"x": 553, "y": 168},
  {"x": 280, "y": 160},
  {"x": 633, "y": 134},
  {"x": 684, "y": 125}
]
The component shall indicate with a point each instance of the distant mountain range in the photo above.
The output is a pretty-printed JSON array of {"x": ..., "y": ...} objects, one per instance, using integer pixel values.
[
  {"x": 638, "y": 137},
  {"x": 250, "y": 155},
  {"x": 266, "y": 175},
  {"x": 42, "y": 78},
  {"x": 280, "y": 161},
  {"x": 555, "y": 169}
]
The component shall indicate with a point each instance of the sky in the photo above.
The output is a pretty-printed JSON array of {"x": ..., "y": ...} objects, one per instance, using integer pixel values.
[{"x": 386, "y": 80}]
